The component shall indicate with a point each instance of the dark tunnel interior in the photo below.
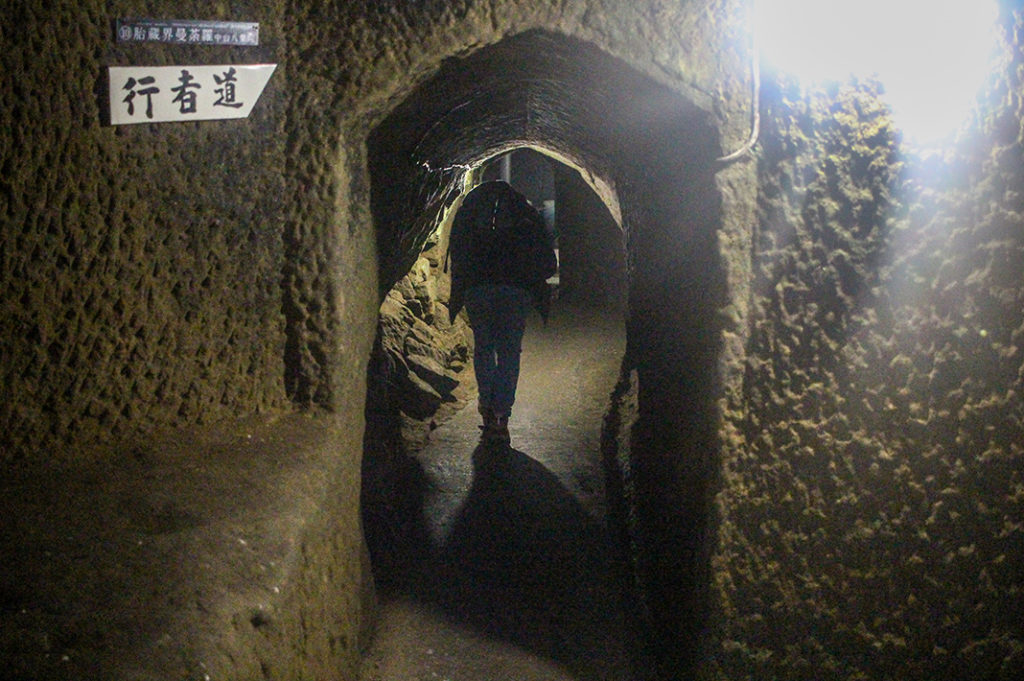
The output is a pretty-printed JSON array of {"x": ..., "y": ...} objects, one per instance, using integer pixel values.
[{"x": 575, "y": 102}]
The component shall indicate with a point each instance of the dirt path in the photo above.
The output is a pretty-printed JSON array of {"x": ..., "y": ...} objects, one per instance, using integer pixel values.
[{"x": 510, "y": 577}]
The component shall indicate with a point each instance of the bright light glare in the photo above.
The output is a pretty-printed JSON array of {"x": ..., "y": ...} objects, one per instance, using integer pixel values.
[{"x": 930, "y": 55}]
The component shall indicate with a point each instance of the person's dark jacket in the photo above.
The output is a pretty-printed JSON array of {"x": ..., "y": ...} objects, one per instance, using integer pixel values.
[{"x": 497, "y": 237}]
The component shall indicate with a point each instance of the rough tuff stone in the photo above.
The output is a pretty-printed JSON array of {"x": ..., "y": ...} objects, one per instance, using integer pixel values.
[
  {"x": 423, "y": 353},
  {"x": 424, "y": 361},
  {"x": 866, "y": 507},
  {"x": 857, "y": 471}
]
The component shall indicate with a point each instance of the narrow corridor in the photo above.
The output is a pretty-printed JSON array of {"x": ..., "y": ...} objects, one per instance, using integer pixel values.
[{"x": 515, "y": 581}]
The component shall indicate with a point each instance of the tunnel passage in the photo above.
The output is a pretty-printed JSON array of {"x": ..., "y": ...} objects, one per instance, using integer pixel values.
[{"x": 651, "y": 154}]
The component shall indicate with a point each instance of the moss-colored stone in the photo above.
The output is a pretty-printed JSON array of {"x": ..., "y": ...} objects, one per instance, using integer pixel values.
[{"x": 871, "y": 541}]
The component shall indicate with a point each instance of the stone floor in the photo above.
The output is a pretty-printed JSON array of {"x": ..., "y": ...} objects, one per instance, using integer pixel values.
[
  {"x": 508, "y": 575},
  {"x": 160, "y": 562},
  {"x": 170, "y": 560}
]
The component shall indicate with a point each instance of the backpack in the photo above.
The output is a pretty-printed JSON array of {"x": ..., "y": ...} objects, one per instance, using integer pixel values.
[{"x": 499, "y": 238}]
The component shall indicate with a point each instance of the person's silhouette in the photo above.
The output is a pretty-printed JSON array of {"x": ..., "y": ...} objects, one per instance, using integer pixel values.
[{"x": 501, "y": 257}]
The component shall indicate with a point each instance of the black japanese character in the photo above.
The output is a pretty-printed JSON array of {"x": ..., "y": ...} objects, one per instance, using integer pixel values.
[
  {"x": 186, "y": 95},
  {"x": 147, "y": 91},
  {"x": 227, "y": 92}
]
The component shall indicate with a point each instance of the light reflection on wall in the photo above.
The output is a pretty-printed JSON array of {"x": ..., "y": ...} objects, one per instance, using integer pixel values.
[{"x": 931, "y": 56}]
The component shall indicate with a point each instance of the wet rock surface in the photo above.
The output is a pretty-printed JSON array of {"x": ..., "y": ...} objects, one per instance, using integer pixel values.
[{"x": 499, "y": 567}]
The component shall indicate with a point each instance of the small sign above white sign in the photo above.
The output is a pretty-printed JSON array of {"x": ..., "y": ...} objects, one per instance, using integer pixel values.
[
  {"x": 188, "y": 32},
  {"x": 157, "y": 94}
]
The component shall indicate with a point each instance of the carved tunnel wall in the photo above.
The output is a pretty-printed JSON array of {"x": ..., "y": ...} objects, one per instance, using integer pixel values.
[
  {"x": 141, "y": 265},
  {"x": 873, "y": 495}
]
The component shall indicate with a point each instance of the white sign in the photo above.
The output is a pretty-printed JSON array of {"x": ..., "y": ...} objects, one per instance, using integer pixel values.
[{"x": 156, "y": 94}]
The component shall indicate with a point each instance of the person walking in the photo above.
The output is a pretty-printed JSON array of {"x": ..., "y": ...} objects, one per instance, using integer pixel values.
[{"x": 501, "y": 257}]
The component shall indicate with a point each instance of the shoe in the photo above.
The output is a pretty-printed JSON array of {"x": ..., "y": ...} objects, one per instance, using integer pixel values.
[{"x": 496, "y": 429}]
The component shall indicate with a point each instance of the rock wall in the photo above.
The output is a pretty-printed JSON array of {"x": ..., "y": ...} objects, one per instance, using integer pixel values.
[
  {"x": 421, "y": 357},
  {"x": 141, "y": 264},
  {"x": 872, "y": 500},
  {"x": 158, "y": 276}
]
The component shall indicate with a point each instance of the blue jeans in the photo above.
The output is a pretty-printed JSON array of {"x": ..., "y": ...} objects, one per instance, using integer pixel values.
[{"x": 497, "y": 315}]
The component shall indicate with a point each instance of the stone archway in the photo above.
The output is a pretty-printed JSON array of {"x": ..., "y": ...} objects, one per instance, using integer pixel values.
[{"x": 651, "y": 155}]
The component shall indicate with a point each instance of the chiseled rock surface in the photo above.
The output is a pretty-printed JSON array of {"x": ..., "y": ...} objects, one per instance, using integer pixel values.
[
  {"x": 872, "y": 504},
  {"x": 202, "y": 554}
]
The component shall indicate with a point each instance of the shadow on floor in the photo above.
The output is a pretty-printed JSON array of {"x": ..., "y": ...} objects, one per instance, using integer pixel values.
[
  {"x": 525, "y": 563},
  {"x": 522, "y": 562},
  {"x": 509, "y": 542}
]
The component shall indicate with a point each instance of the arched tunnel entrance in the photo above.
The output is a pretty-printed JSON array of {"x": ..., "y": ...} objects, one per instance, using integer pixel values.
[
  {"x": 511, "y": 541},
  {"x": 649, "y": 154}
]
